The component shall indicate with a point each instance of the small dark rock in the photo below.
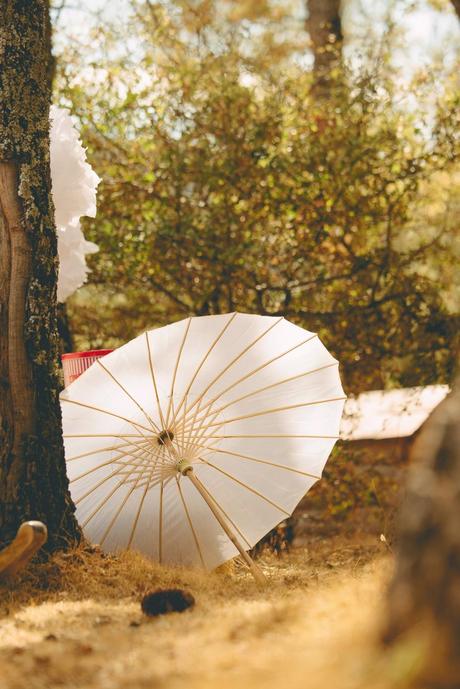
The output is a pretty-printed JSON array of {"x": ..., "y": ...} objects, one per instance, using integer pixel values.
[
  {"x": 42, "y": 660},
  {"x": 83, "y": 649},
  {"x": 163, "y": 601}
]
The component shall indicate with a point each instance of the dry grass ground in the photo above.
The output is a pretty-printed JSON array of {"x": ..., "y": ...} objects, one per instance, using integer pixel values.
[{"x": 76, "y": 622}]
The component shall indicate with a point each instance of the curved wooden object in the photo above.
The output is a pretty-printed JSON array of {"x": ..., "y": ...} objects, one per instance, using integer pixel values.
[{"x": 29, "y": 539}]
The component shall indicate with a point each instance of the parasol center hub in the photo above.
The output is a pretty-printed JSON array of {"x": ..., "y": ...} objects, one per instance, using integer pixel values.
[
  {"x": 184, "y": 467},
  {"x": 165, "y": 437}
]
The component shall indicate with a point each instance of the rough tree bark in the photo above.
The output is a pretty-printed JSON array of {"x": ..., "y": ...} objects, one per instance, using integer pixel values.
[
  {"x": 424, "y": 596},
  {"x": 33, "y": 483},
  {"x": 325, "y": 28},
  {"x": 65, "y": 333}
]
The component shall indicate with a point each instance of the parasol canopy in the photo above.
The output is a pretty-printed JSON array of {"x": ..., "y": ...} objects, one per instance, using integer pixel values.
[{"x": 192, "y": 441}]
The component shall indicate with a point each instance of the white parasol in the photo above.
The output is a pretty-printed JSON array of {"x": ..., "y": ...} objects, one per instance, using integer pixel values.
[{"x": 192, "y": 441}]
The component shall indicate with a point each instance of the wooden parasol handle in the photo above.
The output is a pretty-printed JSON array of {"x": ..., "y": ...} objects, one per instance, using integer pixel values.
[{"x": 255, "y": 569}]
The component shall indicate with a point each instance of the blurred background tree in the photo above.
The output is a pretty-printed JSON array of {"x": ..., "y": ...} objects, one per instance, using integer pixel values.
[
  {"x": 423, "y": 608},
  {"x": 235, "y": 176},
  {"x": 324, "y": 25}
]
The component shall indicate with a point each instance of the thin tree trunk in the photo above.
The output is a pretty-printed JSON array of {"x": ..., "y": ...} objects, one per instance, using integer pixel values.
[
  {"x": 33, "y": 483},
  {"x": 325, "y": 28}
]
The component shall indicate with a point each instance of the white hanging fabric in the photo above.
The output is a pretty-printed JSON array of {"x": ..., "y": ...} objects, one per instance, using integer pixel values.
[{"x": 74, "y": 186}]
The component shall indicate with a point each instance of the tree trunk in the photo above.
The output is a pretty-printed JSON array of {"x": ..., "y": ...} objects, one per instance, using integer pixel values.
[
  {"x": 325, "y": 28},
  {"x": 424, "y": 597},
  {"x": 456, "y": 4},
  {"x": 65, "y": 333},
  {"x": 33, "y": 483}
]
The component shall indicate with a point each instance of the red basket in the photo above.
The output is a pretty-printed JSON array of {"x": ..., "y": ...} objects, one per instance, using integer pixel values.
[{"x": 75, "y": 363}]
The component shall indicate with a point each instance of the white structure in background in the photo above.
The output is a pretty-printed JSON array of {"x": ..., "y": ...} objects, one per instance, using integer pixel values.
[
  {"x": 74, "y": 185},
  {"x": 389, "y": 414}
]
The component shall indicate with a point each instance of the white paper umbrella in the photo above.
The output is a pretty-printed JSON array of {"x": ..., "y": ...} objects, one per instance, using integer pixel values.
[{"x": 192, "y": 441}]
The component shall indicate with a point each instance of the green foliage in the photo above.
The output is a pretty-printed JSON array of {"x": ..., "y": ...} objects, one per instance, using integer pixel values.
[
  {"x": 229, "y": 184},
  {"x": 360, "y": 491}
]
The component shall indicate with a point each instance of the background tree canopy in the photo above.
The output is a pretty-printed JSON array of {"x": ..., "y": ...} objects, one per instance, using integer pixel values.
[{"x": 231, "y": 182}]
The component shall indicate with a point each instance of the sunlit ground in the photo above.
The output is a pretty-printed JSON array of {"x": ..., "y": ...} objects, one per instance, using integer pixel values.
[{"x": 315, "y": 625}]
